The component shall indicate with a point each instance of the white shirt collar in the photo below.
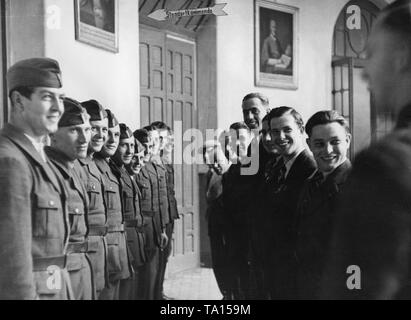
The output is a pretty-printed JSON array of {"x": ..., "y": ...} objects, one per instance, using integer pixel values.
[
  {"x": 290, "y": 162},
  {"x": 39, "y": 146}
]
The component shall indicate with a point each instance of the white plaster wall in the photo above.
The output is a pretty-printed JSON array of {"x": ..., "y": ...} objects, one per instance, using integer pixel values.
[
  {"x": 235, "y": 58},
  {"x": 92, "y": 73}
]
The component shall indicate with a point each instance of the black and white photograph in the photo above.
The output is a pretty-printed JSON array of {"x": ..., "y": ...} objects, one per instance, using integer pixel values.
[{"x": 205, "y": 154}]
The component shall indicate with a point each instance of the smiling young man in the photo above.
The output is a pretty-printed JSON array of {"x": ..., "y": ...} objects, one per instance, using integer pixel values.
[
  {"x": 118, "y": 262},
  {"x": 33, "y": 216},
  {"x": 130, "y": 289},
  {"x": 69, "y": 143},
  {"x": 91, "y": 176},
  {"x": 148, "y": 185},
  {"x": 329, "y": 141},
  {"x": 293, "y": 167}
]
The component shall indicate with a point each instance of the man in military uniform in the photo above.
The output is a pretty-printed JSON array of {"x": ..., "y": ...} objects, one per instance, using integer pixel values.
[
  {"x": 158, "y": 172},
  {"x": 118, "y": 262},
  {"x": 369, "y": 258},
  {"x": 91, "y": 176},
  {"x": 33, "y": 210},
  {"x": 329, "y": 140},
  {"x": 69, "y": 143},
  {"x": 133, "y": 217},
  {"x": 293, "y": 167},
  {"x": 166, "y": 149},
  {"x": 148, "y": 184}
]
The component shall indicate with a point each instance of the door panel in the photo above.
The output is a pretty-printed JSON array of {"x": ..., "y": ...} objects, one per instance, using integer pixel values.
[{"x": 168, "y": 94}]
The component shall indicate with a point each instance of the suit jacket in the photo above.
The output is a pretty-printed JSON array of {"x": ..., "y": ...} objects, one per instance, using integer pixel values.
[
  {"x": 33, "y": 218},
  {"x": 281, "y": 216},
  {"x": 373, "y": 220},
  {"x": 314, "y": 223}
]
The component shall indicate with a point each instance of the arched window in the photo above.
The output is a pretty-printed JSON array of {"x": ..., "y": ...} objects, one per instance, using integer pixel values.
[{"x": 351, "y": 97}]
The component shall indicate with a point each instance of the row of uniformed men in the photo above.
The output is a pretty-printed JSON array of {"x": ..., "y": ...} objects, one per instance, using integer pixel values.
[{"x": 91, "y": 216}]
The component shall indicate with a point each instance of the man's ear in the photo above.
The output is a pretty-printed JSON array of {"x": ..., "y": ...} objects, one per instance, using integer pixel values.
[
  {"x": 308, "y": 142},
  {"x": 17, "y": 101}
]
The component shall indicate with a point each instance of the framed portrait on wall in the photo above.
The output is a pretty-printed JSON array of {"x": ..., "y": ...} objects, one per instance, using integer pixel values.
[
  {"x": 96, "y": 23},
  {"x": 276, "y": 45}
]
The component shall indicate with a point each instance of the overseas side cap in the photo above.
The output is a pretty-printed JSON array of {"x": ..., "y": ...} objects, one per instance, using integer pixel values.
[
  {"x": 74, "y": 114},
  {"x": 35, "y": 72},
  {"x": 112, "y": 120},
  {"x": 95, "y": 110}
]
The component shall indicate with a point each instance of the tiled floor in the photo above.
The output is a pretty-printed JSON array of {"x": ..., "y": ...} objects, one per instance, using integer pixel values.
[{"x": 196, "y": 284}]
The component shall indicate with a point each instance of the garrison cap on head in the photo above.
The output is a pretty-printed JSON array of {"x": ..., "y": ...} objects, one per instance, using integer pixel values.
[
  {"x": 142, "y": 135},
  {"x": 125, "y": 132},
  {"x": 112, "y": 120},
  {"x": 74, "y": 114},
  {"x": 95, "y": 110},
  {"x": 35, "y": 72},
  {"x": 139, "y": 147}
]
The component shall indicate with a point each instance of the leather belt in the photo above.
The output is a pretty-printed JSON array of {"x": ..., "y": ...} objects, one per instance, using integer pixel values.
[
  {"x": 133, "y": 223},
  {"x": 148, "y": 213},
  {"x": 98, "y": 231},
  {"x": 77, "y": 247},
  {"x": 116, "y": 228},
  {"x": 41, "y": 264}
]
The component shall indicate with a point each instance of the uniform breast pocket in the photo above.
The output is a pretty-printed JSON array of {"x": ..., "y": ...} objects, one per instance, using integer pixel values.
[
  {"x": 77, "y": 221},
  {"x": 113, "y": 254},
  {"x": 145, "y": 190},
  {"x": 93, "y": 194},
  {"x": 48, "y": 217},
  {"x": 128, "y": 200}
]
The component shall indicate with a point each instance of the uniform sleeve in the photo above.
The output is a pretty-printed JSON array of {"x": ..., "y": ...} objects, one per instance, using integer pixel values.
[
  {"x": 16, "y": 267},
  {"x": 372, "y": 232}
]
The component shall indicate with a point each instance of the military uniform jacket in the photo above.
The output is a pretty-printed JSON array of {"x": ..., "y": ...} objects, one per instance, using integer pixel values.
[
  {"x": 118, "y": 262},
  {"x": 33, "y": 220},
  {"x": 160, "y": 173},
  {"x": 88, "y": 172},
  {"x": 133, "y": 217},
  {"x": 92, "y": 178},
  {"x": 314, "y": 224},
  {"x": 149, "y": 203}
]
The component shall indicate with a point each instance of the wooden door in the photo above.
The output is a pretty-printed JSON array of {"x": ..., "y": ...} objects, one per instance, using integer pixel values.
[{"x": 167, "y": 86}]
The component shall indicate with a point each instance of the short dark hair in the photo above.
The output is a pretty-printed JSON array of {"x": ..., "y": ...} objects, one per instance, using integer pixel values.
[
  {"x": 149, "y": 128},
  {"x": 325, "y": 117},
  {"x": 281, "y": 111},
  {"x": 238, "y": 126},
  {"x": 264, "y": 100},
  {"x": 141, "y": 135},
  {"x": 24, "y": 91},
  {"x": 159, "y": 125}
]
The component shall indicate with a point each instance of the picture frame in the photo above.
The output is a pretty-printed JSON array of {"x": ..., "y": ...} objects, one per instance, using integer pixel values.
[
  {"x": 276, "y": 45},
  {"x": 96, "y": 23}
]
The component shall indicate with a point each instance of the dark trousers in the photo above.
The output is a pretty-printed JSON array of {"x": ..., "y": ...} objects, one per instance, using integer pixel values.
[
  {"x": 149, "y": 275},
  {"x": 219, "y": 257},
  {"x": 163, "y": 259},
  {"x": 130, "y": 289},
  {"x": 239, "y": 262}
]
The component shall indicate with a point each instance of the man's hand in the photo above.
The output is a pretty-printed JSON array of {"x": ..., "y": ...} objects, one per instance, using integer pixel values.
[{"x": 163, "y": 241}]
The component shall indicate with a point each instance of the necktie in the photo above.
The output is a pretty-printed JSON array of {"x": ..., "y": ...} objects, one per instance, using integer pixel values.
[{"x": 279, "y": 175}]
